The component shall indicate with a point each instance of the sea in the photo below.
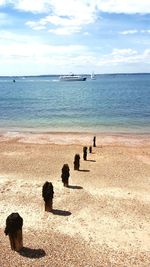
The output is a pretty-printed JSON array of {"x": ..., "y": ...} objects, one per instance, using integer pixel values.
[{"x": 112, "y": 103}]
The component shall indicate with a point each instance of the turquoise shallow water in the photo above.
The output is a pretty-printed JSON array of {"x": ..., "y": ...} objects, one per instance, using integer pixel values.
[{"x": 111, "y": 103}]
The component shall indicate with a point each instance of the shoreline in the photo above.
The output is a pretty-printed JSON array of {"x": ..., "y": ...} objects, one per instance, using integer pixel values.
[
  {"x": 78, "y": 129},
  {"x": 56, "y": 137}
]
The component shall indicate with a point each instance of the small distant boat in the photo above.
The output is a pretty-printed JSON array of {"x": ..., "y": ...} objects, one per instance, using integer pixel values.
[
  {"x": 72, "y": 77},
  {"x": 93, "y": 77}
]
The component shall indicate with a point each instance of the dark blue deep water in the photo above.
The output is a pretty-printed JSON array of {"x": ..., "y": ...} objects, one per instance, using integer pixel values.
[{"x": 111, "y": 103}]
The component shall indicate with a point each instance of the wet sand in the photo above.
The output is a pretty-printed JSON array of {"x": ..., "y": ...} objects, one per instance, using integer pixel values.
[{"x": 102, "y": 219}]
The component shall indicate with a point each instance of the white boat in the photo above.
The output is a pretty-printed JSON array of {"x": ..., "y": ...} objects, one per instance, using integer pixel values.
[
  {"x": 72, "y": 77},
  {"x": 93, "y": 77}
]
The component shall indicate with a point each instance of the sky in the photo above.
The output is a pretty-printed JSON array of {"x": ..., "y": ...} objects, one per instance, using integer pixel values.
[{"x": 40, "y": 37}]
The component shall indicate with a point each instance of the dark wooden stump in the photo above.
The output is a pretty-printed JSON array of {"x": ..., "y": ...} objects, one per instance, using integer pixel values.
[
  {"x": 65, "y": 175},
  {"x": 90, "y": 149},
  {"x": 49, "y": 205},
  {"x": 94, "y": 141},
  {"x": 16, "y": 241},
  {"x": 77, "y": 162},
  {"x": 48, "y": 194},
  {"x": 66, "y": 183},
  {"x": 85, "y": 153},
  {"x": 13, "y": 229}
]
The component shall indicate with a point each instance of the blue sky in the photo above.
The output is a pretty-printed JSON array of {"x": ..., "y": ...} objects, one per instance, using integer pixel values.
[{"x": 80, "y": 36}]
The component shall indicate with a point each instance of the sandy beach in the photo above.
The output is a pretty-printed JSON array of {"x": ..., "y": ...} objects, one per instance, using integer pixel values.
[{"x": 101, "y": 219}]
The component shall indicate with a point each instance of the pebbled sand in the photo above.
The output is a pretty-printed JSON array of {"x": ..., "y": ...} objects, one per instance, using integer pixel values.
[{"x": 103, "y": 219}]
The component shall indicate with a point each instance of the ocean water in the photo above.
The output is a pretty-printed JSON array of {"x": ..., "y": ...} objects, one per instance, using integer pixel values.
[{"x": 111, "y": 103}]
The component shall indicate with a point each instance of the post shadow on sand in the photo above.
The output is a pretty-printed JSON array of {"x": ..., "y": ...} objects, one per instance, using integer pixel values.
[
  {"x": 92, "y": 160},
  {"x": 82, "y": 170},
  {"x": 75, "y": 187},
  {"x": 61, "y": 212},
  {"x": 32, "y": 253}
]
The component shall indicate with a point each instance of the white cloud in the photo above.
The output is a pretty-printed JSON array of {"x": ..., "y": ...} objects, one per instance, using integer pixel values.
[
  {"x": 145, "y": 31},
  {"x": 37, "y": 50},
  {"x": 34, "y": 6},
  {"x": 35, "y": 57},
  {"x": 77, "y": 13},
  {"x": 129, "y": 32},
  {"x": 19, "y": 58},
  {"x": 63, "y": 26},
  {"x": 134, "y": 32},
  {"x": 65, "y": 7},
  {"x": 125, "y": 56},
  {"x": 123, "y": 52},
  {"x": 86, "y": 33},
  {"x": 146, "y": 54},
  {"x": 2, "y": 2},
  {"x": 9, "y": 39},
  {"x": 65, "y": 30},
  {"x": 15, "y": 47},
  {"x": 68, "y": 17},
  {"x": 127, "y": 6},
  {"x": 36, "y": 25}
]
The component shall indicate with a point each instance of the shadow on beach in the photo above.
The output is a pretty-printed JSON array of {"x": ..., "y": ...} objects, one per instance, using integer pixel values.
[
  {"x": 81, "y": 170},
  {"x": 75, "y": 187},
  {"x": 61, "y": 212},
  {"x": 92, "y": 160},
  {"x": 32, "y": 253}
]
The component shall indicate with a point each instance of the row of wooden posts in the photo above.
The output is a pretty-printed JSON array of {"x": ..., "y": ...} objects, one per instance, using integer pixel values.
[{"x": 14, "y": 221}]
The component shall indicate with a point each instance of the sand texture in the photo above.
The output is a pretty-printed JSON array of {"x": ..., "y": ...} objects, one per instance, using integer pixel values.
[{"x": 101, "y": 219}]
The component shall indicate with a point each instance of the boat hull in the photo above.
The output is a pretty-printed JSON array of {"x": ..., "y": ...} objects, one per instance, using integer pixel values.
[{"x": 72, "y": 78}]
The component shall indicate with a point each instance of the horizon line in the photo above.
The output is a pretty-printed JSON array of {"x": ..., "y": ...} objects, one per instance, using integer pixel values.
[{"x": 50, "y": 75}]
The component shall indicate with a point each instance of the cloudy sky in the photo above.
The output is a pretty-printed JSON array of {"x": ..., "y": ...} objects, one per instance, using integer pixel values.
[{"x": 81, "y": 36}]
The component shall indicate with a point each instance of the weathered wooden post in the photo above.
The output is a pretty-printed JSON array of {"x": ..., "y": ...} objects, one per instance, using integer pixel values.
[
  {"x": 77, "y": 162},
  {"x": 48, "y": 194},
  {"x": 85, "y": 153},
  {"x": 14, "y": 224},
  {"x": 65, "y": 175},
  {"x": 90, "y": 149},
  {"x": 94, "y": 141}
]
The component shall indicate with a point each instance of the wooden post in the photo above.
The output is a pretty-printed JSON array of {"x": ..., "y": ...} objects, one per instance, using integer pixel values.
[
  {"x": 16, "y": 241},
  {"x": 49, "y": 205},
  {"x": 90, "y": 149},
  {"x": 48, "y": 194},
  {"x": 13, "y": 228},
  {"x": 94, "y": 141},
  {"x": 85, "y": 153},
  {"x": 65, "y": 175},
  {"x": 66, "y": 183},
  {"x": 77, "y": 162}
]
